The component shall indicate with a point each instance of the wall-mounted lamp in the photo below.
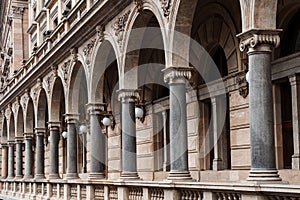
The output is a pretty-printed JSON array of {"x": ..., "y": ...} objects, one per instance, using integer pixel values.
[
  {"x": 109, "y": 120},
  {"x": 82, "y": 129},
  {"x": 140, "y": 113},
  {"x": 64, "y": 135}
]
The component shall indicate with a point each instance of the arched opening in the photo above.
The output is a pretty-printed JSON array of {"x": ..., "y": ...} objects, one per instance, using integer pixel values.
[
  {"x": 146, "y": 60},
  {"x": 20, "y": 123},
  {"x": 78, "y": 101},
  {"x": 58, "y": 110},
  {"x": 11, "y": 134},
  {"x": 215, "y": 30},
  {"x": 291, "y": 37},
  {"x": 30, "y": 125}
]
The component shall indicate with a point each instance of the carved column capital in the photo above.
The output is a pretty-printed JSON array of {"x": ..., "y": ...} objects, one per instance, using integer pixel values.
[
  {"x": 28, "y": 136},
  {"x": 95, "y": 108},
  {"x": 19, "y": 140},
  {"x": 17, "y": 12},
  {"x": 294, "y": 79},
  {"x": 54, "y": 126},
  {"x": 177, "y": 75},
  {"x": 259, "y": 39},
  {"x": 72, "y": 117},
  {"x": 128, "y": 95},
  {"x": 40, "y": 131}
]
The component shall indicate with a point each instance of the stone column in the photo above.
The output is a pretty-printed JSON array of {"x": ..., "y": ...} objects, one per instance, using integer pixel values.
[
  {"x": 72, "y": 120},
  {"x": 40, "y": 153},
  {"x": 166, "y": 151},
  {"x": 128, "y": 123},
  {"x": 11, "y": 156},
  {"x": 260, "y": 44},
  {"x": 4, "y": 160},
  {"x": 54, "y": 142},
  {"x": 98, "y": 142},
  {"x": 217, "y": 161},
  {"x": 177, "y": 78},
  {"x": 19, "y": 143},
  {"x": 28, "y": 155},
  {"x": 295, "y": 86}
]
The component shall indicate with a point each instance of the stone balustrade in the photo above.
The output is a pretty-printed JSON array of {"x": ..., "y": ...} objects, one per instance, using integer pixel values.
[{"x": 142, "y": 190}]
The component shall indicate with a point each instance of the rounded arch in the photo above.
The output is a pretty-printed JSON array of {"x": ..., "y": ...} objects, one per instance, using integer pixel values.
[
  {"x": 11, "y": 128},
  {"x": 29, "y": 117},
  {"x": 78, "y": 91},
  {"x": 57, "y": 104},
  {"x": 42, "y": 113},
  {"x": 190, "y": 14},
  {"x": 146, "y": 33},
  {"x": 4, "y": 130},
  {"x": 20, "y": 122},
  {"x": 105, "y": 56}
]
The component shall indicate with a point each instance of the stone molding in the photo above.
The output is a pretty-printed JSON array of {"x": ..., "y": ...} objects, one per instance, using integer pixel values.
[
  {"x": 128, "y": 95},
  {"x": 177, "y": 75},
  {"x": 255, "y": 37}
]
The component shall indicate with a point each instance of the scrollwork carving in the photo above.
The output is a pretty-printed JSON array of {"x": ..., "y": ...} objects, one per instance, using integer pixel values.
[{"x": 166, "y": 7}]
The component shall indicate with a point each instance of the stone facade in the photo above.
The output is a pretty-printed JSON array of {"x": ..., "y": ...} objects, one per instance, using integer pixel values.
[{"x": 150, "y": 99}]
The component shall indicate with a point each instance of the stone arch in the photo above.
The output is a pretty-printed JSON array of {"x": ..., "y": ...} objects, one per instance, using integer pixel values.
[
  {"x": 4, "y": 130},
  {"x": 138, "y": 39},
  {"x": 57, "y": 103},
  {"x": 11, "y": 127},
  {"x": 20, "y": 123},
  {"x": 42, "y": 114},
  {"x": 214, "y": 18},
  {"x": 29, "y": 117},
  {"x": 78, "y": 90},
  {"x": 105, "y": 55},
  {"x": 259, "y": 14}
]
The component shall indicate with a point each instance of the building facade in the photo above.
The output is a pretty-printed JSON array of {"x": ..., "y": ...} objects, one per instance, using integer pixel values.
[{"x": 150, "y": 99}]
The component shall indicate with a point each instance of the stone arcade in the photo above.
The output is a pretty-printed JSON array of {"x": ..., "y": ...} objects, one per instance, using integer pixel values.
[{"x": 110, "y": 99}]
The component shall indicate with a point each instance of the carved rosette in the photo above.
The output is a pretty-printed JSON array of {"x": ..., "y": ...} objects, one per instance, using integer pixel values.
[
  {"x": 119, "y": 26},
  {"x": 128, "y": 95},
  {"x": 87, "y": 51},
  {"x": 175, "y": 75},
  {"x": 242, "y": 83},
  {"x": 255, "y": 38},
  {"x": 166, "y": 7}
]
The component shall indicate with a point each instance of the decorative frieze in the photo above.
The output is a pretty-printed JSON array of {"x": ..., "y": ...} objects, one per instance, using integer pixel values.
[
  {"x": 256, "y": 37},
  {"x": 119, "y": 26},
  {"x": 177, "y": 74}
]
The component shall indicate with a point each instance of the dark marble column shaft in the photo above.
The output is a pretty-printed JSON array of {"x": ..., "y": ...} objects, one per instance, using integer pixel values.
[
  {"x": 28, "y": 155},
  {"x": 19, "y": 143},
  {"x": 54, "y": 142},
  {"x": 11, "y": 156},
  {"x": 40, "y": 153}
]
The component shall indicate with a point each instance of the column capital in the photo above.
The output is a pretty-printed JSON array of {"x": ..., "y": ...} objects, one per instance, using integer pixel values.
[
  {"x": 17, "y": 12},
  {"x": 40, "y": 131},
  {"x": 294, "y": 79},
  {"x": 95, "y": 108},
  {"x": 10, "y": 142},
  {"x": 28, "y": 136},
  {"x": 177, "y": 75},
  {"x": 128, "y": 95},
  {"x": 19, "y": 140},
  {"x": 52, "y": 125},
  {"x": 72, "y": 117},
  {"x": 259, "y": 40},
  {"x": 4, "y": 145}
]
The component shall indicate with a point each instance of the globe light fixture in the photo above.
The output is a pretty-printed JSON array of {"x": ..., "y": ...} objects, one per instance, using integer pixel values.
[
  {"x": 64, "y": 134},
  {"x": 139, "y": 113},
  {"x": 106, "y": 121},
  {"x": 248, "y": 76},
  {"x": 82, "y": 129}
]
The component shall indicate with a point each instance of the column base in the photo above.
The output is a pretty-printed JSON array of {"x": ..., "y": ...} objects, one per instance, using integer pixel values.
[
  {"x": 72, "y": 176},
  {"x": 19, "y": 177},
  {"x": 180, "y": 176},
  {"x": 94, "y": 176},
  {"x": 129, "y": 175},
  {"x": 40, "y": 176},
  {"x": 296, "y": 161},
  {"x": 264, "y": 176},
  {"x": 54, "y": 176}
]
